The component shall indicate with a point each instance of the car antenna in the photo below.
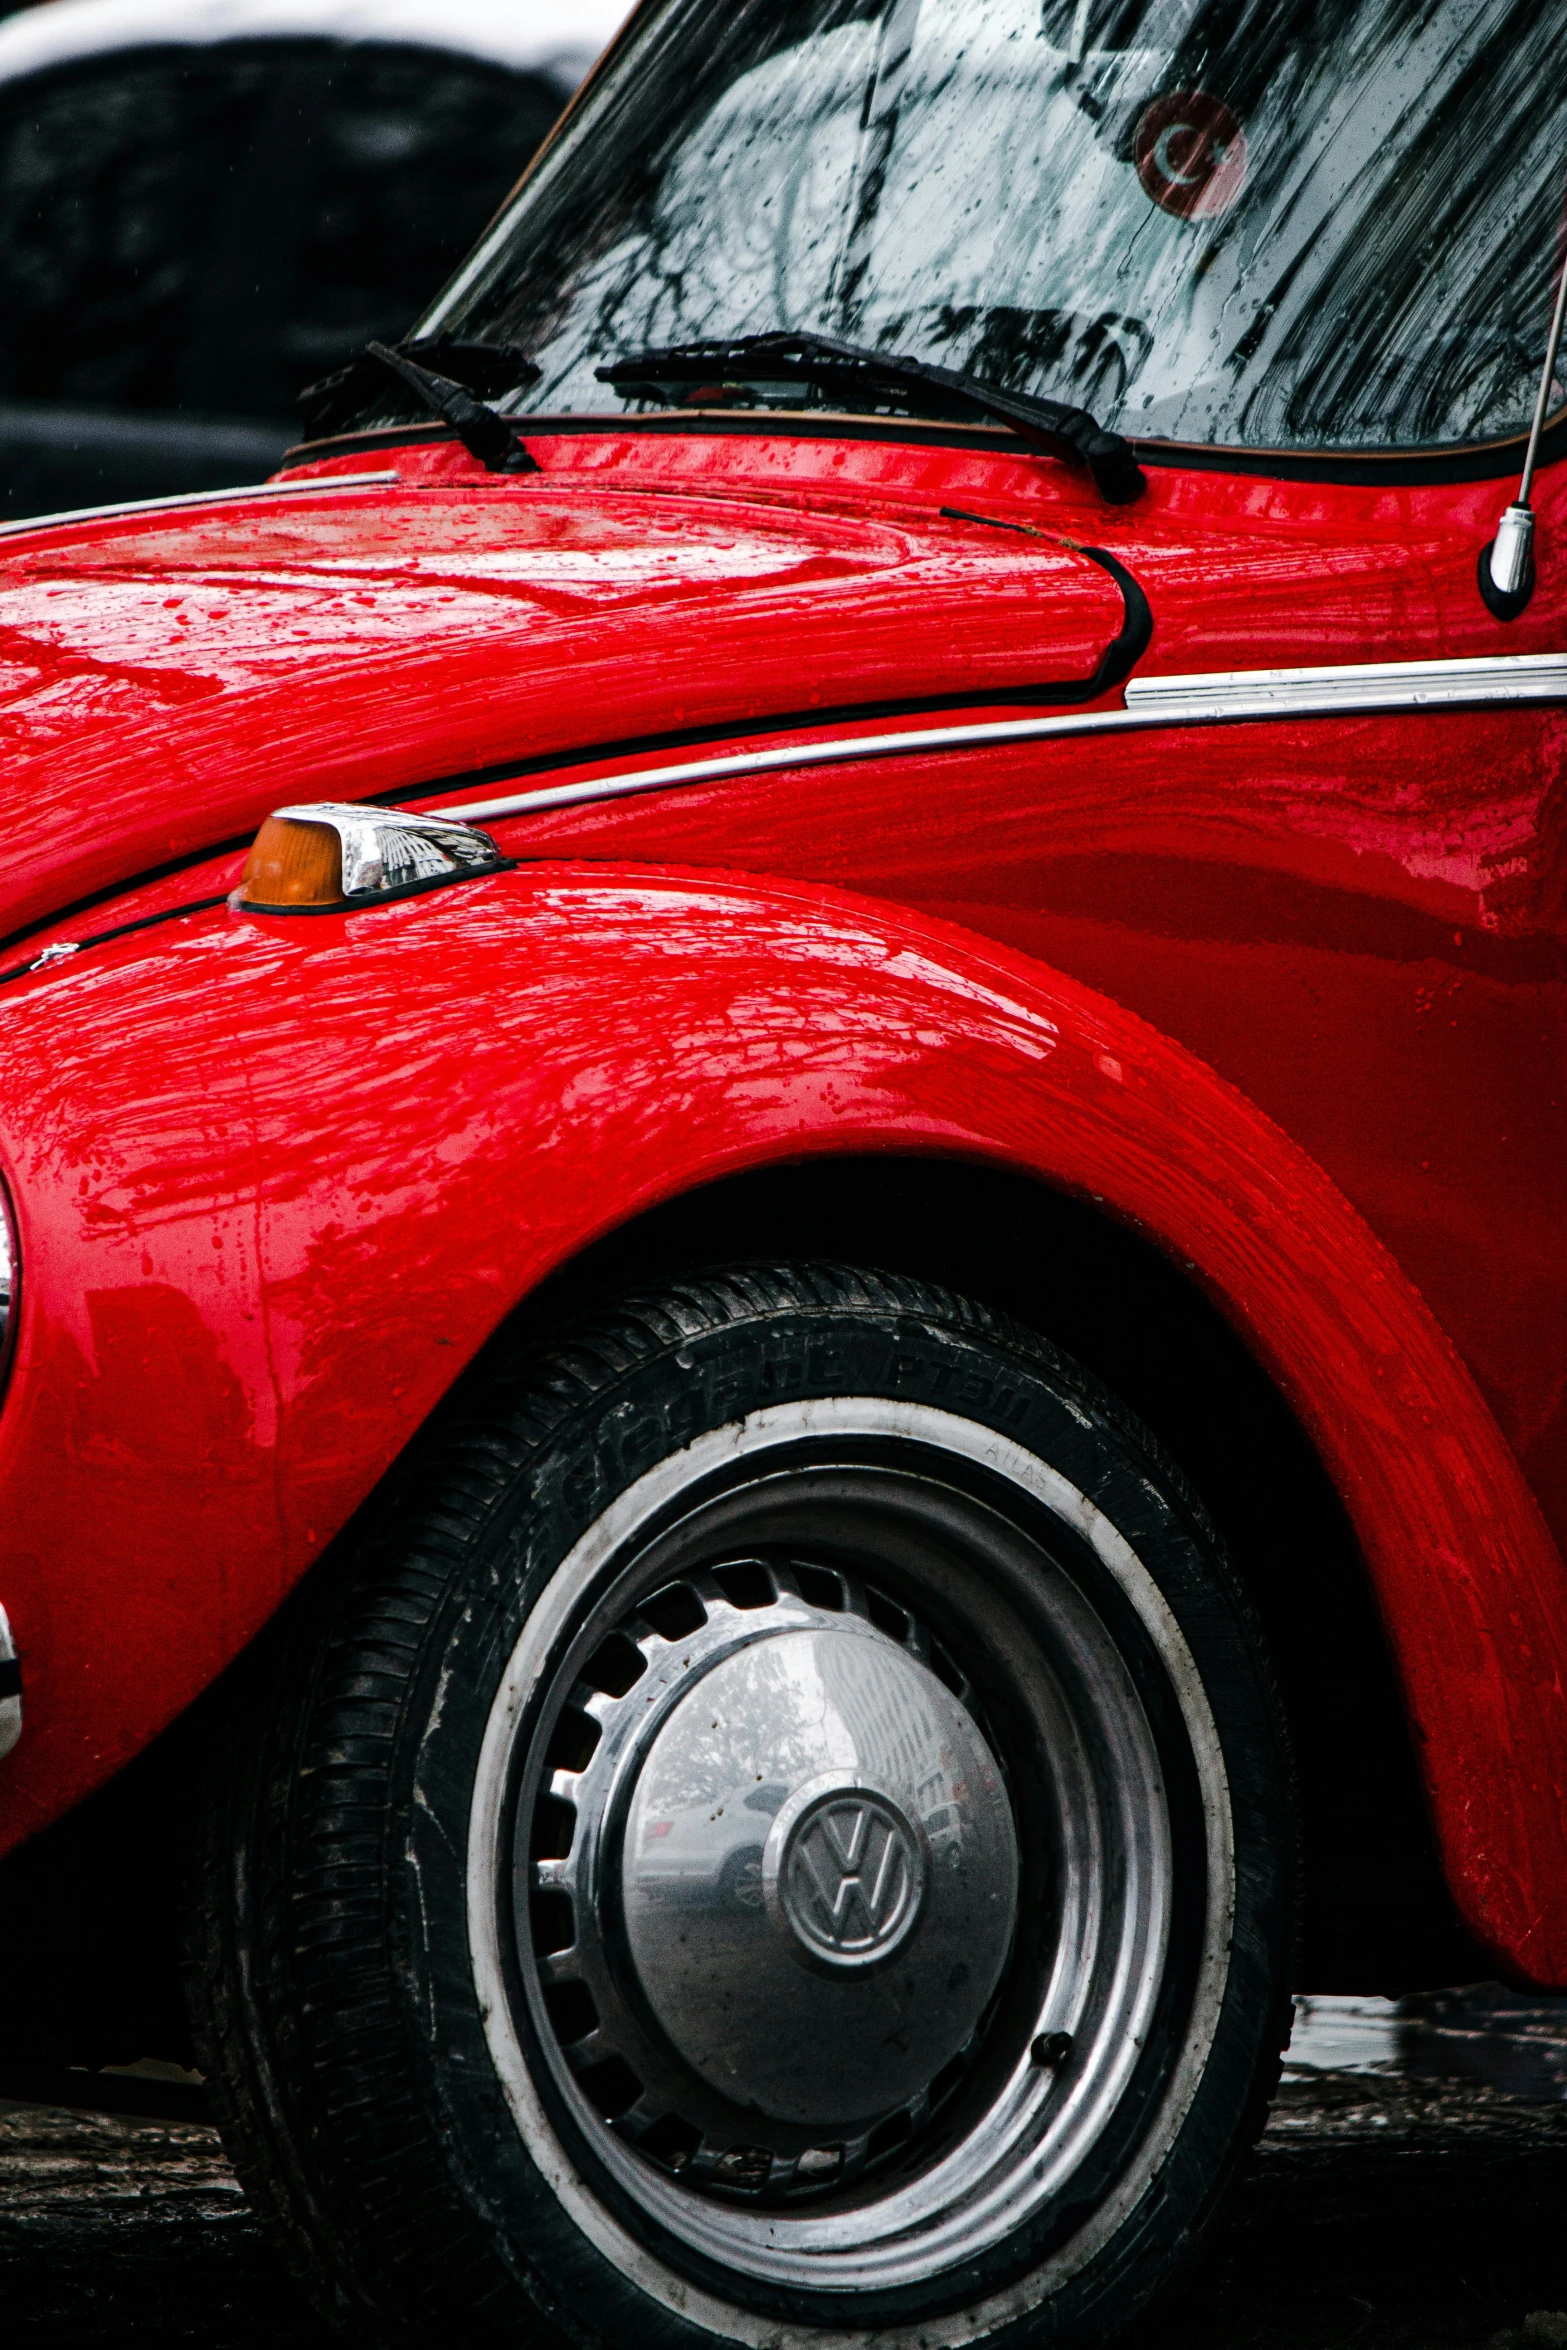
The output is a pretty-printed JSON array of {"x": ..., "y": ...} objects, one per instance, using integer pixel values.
[
  {"x": 1507, "y": 564},
  {"x": 482, "y": 433}
]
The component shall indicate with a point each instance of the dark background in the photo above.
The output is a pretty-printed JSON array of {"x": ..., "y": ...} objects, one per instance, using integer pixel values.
[{"x": 191, "y": 234}]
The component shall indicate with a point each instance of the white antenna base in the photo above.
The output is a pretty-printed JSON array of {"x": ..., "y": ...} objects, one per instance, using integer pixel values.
[{"x": 1511, "y": 550}]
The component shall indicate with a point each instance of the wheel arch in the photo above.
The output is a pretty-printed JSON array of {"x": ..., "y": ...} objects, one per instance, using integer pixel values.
[
  {"x": 1377, "y": 1910},
  {"x": 617, "y": 1053}
]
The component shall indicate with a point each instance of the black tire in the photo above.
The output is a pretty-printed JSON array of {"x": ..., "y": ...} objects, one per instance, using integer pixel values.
[{"x": 362, "y": 2004}]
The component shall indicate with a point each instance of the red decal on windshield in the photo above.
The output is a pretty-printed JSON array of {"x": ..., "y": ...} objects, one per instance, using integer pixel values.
[{"x": 1190, "y": 154}]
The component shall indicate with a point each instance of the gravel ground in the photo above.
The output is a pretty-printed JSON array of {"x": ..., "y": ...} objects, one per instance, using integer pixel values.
[{"x": 1378, "y": 2212}]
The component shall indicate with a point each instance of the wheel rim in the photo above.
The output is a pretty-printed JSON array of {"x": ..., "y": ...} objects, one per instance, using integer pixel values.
[{"x": 958, "y": 1831}]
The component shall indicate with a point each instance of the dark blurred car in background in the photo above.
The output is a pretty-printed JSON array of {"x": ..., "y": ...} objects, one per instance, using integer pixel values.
[{"x": 207, "y": 204}]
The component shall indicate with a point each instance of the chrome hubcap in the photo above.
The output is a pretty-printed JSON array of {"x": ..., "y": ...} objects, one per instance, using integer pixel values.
[{"x": 793, "y": 1873}]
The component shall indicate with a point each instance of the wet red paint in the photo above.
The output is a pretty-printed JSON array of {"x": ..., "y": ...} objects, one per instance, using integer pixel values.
[{"x": 277, "y": 1181}]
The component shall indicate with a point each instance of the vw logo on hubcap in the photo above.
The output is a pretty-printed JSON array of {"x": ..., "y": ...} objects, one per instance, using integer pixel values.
[{"x": 844, "y": 1874}]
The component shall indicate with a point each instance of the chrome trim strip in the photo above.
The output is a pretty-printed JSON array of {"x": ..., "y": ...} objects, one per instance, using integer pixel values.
[
  {"x": 1197, "y": 700},
  {"x": 819, "y": 754},
  {"x": 1360, "y": 685},
  {"x": 179, "y": 498}
]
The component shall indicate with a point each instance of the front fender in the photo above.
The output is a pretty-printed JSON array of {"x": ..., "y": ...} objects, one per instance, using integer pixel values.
[{"x": 277, "y": 1181}]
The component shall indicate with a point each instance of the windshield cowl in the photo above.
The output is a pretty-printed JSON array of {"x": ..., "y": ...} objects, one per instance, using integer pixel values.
[{"x": 758, "y": 369}]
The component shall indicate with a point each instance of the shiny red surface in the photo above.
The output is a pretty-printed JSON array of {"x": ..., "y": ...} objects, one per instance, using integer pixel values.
[{"x": 277, "y": 1181}]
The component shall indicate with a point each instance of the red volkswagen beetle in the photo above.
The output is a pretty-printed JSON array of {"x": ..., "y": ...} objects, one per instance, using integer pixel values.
[{"x": 783, "y": 1101}]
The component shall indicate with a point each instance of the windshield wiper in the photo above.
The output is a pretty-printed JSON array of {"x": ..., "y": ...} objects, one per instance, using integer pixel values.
[
  {"x": 445, "y": 373},
  {"x": 856, "y": 375},
  {"x": 482, "y": 433}
]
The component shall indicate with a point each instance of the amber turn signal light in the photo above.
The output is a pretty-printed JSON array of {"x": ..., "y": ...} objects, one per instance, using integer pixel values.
[
  {"x": 310, "y": 860},
  {"x": 293, "y": 862}
]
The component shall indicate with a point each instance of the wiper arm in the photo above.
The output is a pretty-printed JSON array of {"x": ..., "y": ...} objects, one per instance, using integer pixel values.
[
  {"x": 445, "y": 373},
  {"x": 482, "y": 433},
  {"x": 848, "y": 369}
]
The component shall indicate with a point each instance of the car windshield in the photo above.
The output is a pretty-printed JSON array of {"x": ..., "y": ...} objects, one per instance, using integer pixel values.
[{"x": 1272, "y": 224}]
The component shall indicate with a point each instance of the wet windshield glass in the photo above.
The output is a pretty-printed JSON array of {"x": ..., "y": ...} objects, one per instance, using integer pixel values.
[{"x": 1326, "y": 224}]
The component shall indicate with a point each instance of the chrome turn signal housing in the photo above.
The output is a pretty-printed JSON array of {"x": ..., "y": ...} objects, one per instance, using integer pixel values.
[{"x": 329, "y": 857}]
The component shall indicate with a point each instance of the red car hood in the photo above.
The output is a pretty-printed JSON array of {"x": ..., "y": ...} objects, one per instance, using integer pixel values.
[{"x": 167, "y": 677}]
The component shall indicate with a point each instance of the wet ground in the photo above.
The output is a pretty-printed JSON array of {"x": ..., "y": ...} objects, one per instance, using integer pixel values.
[{"x": 1410, "y": 2194}]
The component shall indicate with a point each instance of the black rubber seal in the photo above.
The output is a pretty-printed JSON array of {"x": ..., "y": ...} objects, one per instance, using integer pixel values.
[
  {"x": 101, "y": 938},
  {"x": 1504, "y": 607},
  {"x": 1125, "y": 649}
]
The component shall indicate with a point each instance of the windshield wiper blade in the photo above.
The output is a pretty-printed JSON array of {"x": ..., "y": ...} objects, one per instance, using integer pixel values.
[
  {"x": 848, "y": 369},
  {"x": 457, "y": 367}
]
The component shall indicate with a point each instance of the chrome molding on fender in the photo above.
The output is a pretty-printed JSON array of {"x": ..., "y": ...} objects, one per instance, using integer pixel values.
[
  {"x": 1217, "y": 697},
  {"x": 1203, "y": 699}
]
